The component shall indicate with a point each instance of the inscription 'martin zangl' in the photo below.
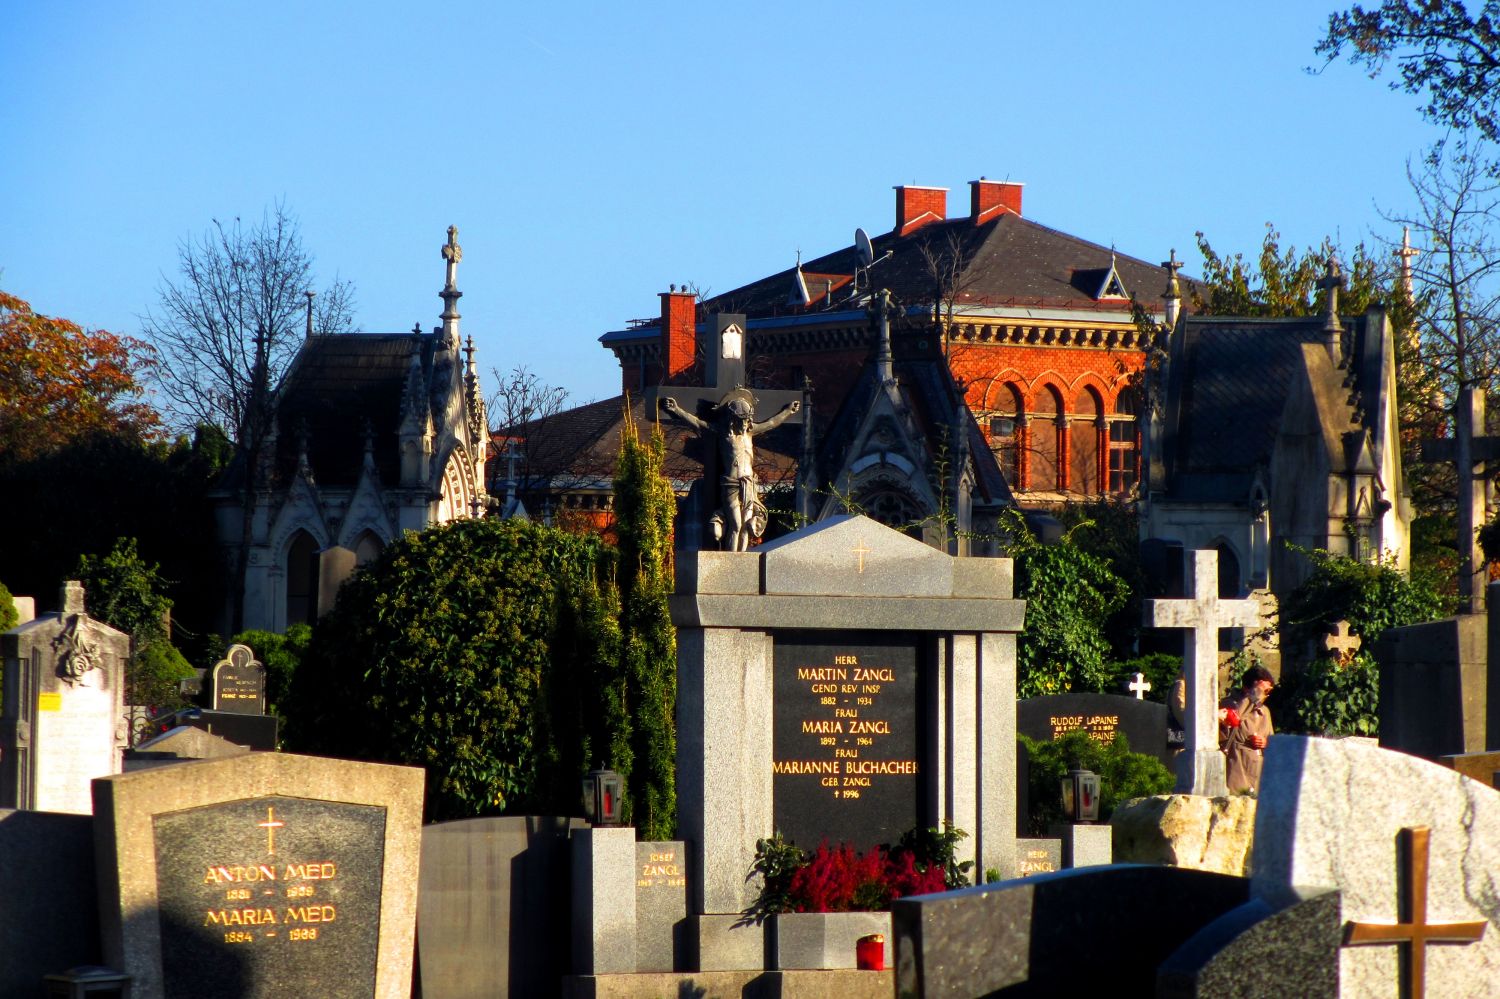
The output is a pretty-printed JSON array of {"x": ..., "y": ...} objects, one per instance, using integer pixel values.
[{"x": 847, "y": 721}]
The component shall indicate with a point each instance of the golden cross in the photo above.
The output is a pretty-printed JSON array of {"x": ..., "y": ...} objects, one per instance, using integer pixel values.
[
  {"x": 862, "y": 551},
  {"x": 1414, "y": 931},
  {"x": 270, "y": 826}
]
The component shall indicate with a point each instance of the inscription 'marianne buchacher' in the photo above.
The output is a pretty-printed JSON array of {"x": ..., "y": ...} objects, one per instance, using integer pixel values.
[
  {"x": 270, "y": 896},
  {"x": 845, "y": 742}
]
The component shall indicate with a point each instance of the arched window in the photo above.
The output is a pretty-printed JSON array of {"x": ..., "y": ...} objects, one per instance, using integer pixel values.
[
  {"x": 1124, "y": 447},
  {"x": 893, "y": 508},
  {"x": 1083, "y": 445},
  {"x": 1044, "y": 434},
  {"x": 1005, "y": 434},
  {"x": 367, "y": 549},
  {"x": 301, "y": 579}
]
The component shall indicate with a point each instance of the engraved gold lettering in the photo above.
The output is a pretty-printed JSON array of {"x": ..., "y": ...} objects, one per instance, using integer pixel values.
[
  {"x": 823, "y": 726},
  {"x": 821, "y": 673},
  {"x": 872, "y": 727},
  {"x": 240, "y": 917},
  {"x": 251, "y": 872},
  {"x": 867, "y": 675},
  {"x": 805, "y": 767},
  {"x": 310, "y": 914}
]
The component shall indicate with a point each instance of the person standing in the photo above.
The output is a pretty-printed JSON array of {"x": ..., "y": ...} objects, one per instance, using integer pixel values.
[{"x": 1244, "y": 744}]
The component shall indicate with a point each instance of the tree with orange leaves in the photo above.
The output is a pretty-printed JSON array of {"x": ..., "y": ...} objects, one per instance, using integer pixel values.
[{"x": 59, "y": 382}]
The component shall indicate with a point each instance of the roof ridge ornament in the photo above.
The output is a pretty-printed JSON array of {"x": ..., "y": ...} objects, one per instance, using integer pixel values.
[{"x": 452, "y": 254}]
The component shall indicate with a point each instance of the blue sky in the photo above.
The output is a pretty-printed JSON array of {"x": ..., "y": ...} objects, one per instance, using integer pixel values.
[{"x": 591, "y": 154}]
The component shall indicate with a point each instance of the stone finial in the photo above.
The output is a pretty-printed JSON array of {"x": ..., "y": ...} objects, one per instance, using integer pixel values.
[
  {"x": 1173, "y": 294},
  {"x": 1333, "y": 330},
  {"x": 310, "y": 295},
  {"x": 452, "y": 253},
  {"x": 72, "y": 598}
]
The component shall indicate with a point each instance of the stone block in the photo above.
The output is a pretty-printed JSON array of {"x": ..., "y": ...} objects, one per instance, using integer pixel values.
[
  {"x": 1056, "y": 934},
  {"x": 1186, "y": 830},
  {"x": 1038, "y": 856},
  {"x": 1475, "y": 766},
  {"x": 1433, "y": 687},
  {"x": 311, "y": 883},
  {"x": 854, "y": 556},
  {"x": 25, "y": 609},
  {"x": 177, "y": 745},
  {"x": 984, "y": 577},
  {"x": 661, "y": 906},
  {"x": 727, "y": 942},
  {"x": 1086, "y": 846},
  {"x": 603, "y": 901},
  {"x": 492, "y": 906},
  {"x": 1339, "y": 814},
  {"x": 816, "y": 940},
  {"x": 49, "y": 914},
  {"x": 718, "y": 572}
]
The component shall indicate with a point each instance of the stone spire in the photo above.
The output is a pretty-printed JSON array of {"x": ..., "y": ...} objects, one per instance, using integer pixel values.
[
  {"x": 452, "y": 253},
  {"x": 1333, "y": 330},
  {"x": 1173, "y": 294},
  {"x": 474, "y": 398},
  {"x": 1406, "y": 253}
]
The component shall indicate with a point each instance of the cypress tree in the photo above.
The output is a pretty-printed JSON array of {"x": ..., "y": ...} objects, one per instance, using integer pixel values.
[{"x": 644, "y": 505}]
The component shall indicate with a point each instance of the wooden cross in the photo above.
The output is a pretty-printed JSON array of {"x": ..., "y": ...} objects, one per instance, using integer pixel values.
[
  {"x": 1201, "y": 767},
  {"x": 1341, "y": 645},
  {"x": 1414, "y": 931},
  {"x": 271, "y": 824},
  {"x": 1468, "y": 450},
  {"x": 1139, "y": 686},
  {"x": 860, "y": 550}
]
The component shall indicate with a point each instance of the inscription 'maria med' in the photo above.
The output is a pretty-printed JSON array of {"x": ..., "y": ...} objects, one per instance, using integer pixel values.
[{"x": 271, "y": 896}]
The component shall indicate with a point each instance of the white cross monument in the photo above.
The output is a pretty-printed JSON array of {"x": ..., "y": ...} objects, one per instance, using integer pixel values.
[{"x": 1200, "y": 768}]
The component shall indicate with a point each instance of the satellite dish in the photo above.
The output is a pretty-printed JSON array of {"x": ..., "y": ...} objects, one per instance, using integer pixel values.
[{"x": 863, "y": 247}]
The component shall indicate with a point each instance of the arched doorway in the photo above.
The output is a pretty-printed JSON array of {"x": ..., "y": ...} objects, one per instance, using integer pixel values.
[{"x": 301, "y": 579}]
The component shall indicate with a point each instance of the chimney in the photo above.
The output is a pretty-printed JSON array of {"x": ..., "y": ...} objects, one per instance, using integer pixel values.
[
  {"x": 679, "y": 332},
  {"x": 990, "y": 198},
  {"x": 917, "y": 206}
]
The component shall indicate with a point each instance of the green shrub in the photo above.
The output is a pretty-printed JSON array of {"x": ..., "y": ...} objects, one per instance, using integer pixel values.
[
  {"x": 1122, "y": 774},
  {"x": 281, "y": 655},
  {"x": 1370, "y": 596},
  {"x": 1330, "y": 698},
  {"x": 153, "y": 680},
  {"x": 1159, "y": 668},
  {"x": 442, "y": 653},
  {"x": 9, "y": 616}
]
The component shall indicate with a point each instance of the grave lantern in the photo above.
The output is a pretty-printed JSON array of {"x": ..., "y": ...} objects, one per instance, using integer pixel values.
[
  {"x": 1080, "y": 794},
  {"x": 601, "y": 797}
]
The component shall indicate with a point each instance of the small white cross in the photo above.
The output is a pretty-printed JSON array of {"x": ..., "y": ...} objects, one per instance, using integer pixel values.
[{"x": 1139, "y": 686}]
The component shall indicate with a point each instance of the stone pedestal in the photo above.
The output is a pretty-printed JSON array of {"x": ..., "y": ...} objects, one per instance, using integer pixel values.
[{"x": 604, "y": 917}]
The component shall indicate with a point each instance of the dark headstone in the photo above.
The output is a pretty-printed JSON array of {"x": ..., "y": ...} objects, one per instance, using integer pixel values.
[
  {"x": 1254, "y": 951},
  {"x": 661, "y": 904},
  {"x": 1038, "y": 856},
  {"x": 240, "y": 683},
  {"x": 254, "y": 894},
  {"x": 1143, "y": 723},
  {"x": 251, "y": 731},
  {"x": 1070, "y": 933},
  {"x": 492, "y": 907},
  {"x": 845, "y": 737},
  {"x": 49, "y": 913},
  {"x": 1432, "y": 687}
]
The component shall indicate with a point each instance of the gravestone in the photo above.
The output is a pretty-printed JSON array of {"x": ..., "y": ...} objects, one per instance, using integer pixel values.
[
  {"x": 661, "y": 906},
  {"x": 1433, "y": 687},
  {"x": 1476, "y": 766},
  {"x": 63, "y": 720},
  {"x": 492, "y": 912},
  {"x": 912, "y": 654},
  {"x": 49, "y": 917},
  {"x": 845, "y": 708},
  {"x": 1091, "y": 931},
  {"x": 265, "y": 874},
  {"x": 1200, "y": 766},
  {"x": 1255, "y": 950},
  {"x": 1413, "y": 847},
  {"x": 177, "y": 745},
  {"x": 239, "y": 683},
  {"x": 1102, "y": 716},
  {"x": 1038, "y": 856}
]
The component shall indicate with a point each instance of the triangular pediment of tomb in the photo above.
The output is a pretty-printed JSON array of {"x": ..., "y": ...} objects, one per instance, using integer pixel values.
[{"x": 852, "y": 555}]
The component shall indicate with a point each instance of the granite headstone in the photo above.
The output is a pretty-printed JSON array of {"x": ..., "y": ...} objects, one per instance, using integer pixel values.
[
  {"x": 1102, "y": 716},
  {"x": 1060, "y": 934},
  {"x": 49, "y": 916},
  {"x": 1412, "y": 846},
  {"x": 239, "y": 681},
  {"x": 1038, "y": 856},
  {"x": 661, "y": 906},
  {"x": 1253, "y": 951},
  {"x": 64, "y": 714},
  {"x": 492, "y": 907},
  {"x": 265, "y": 874},
  {"x": 1433, "y": 687}
]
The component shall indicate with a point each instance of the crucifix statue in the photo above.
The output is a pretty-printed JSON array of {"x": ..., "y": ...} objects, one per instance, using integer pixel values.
[{"x": 725, "y": 411}]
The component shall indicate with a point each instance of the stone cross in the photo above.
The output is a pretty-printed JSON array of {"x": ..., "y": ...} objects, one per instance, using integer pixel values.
[
  {"x": 1139, "y": 686},
  {"x": 1200, "y": 769},
  {"x": 1468, "y": 450},
  {"x": 1341, "y": 645},
  {"x": 1414, "y": 931}
]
